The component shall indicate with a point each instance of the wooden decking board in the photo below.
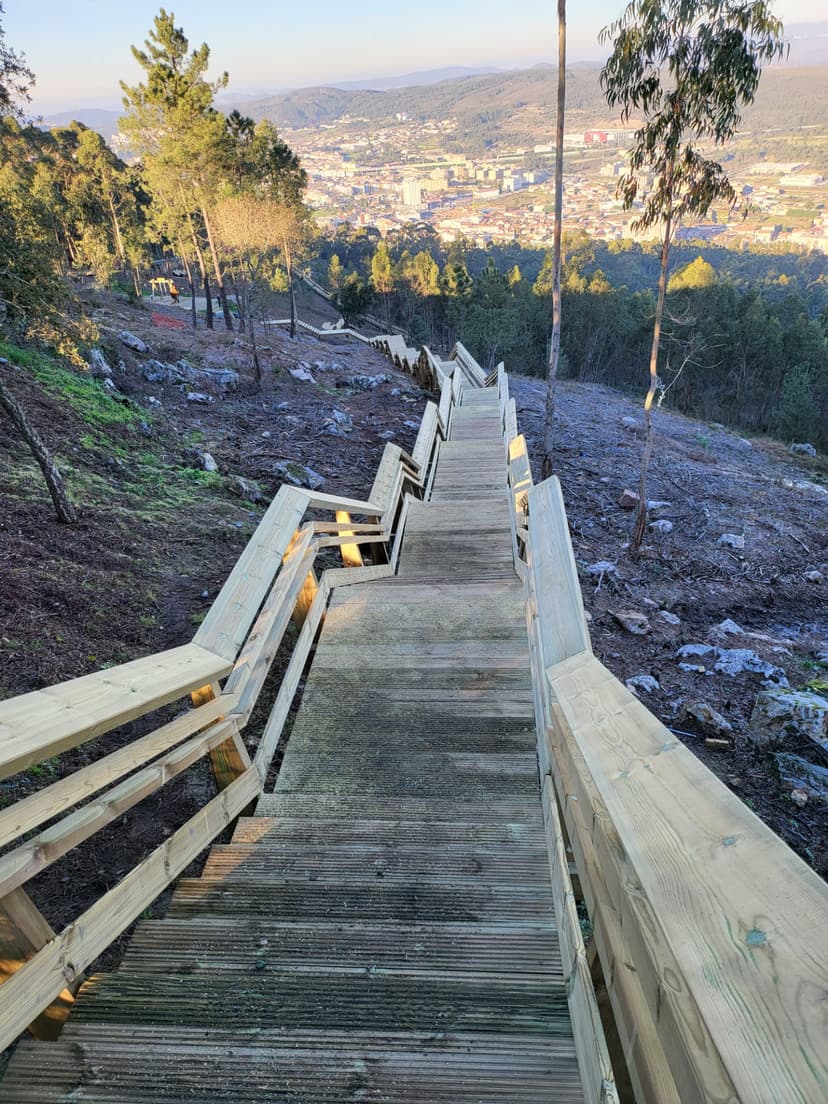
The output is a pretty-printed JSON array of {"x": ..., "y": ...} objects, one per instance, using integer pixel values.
[
  {"x": 279, "y": 1067},
  {"x": 465, "y": 900},
  {"x": 446, "y": 810},
  {"x": 496, "y": 864},
  {"x": 271, "y": 998},
  {"x": 434, "y": 832},
  {"x": 215, "y": 944},
  {"x": 383, "y": 928}
]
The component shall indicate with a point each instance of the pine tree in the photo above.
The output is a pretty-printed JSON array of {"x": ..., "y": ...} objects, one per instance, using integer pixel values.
[{"x": 172, "y": 125}]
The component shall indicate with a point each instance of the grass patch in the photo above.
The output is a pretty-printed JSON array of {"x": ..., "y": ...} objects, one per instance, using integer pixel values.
[{"x": 86, "y": 396}]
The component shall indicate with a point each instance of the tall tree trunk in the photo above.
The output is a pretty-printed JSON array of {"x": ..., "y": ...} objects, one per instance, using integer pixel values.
[
  {"x": 555, "y": 346},
  {"x": 191, "y": 282},
  {"x": 239, "y": 297},
  {"x": 188, "y": 268},
  {"x": 251, "y": 332},
  {"x": 54, "y": 480},
  {"x": 205, "y": 280},
  {"x": 291, "y": 287},
  {"x": 208, "y": 298},
  {"x": 222, "y": 290},
  {"x": 116, "y": 226},
  {"x": 641, "y": 513}
]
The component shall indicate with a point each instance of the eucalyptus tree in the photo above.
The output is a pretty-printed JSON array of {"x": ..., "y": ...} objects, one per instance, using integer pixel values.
[
  {"x": 688, "y": 67},
  {"x": 555, "y": 344}
]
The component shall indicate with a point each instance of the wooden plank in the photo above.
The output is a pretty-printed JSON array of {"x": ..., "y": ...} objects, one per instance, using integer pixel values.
[
  {"x": 725, "y": 925},
  {"x": 23, "y": 931},
  {"x": 351, "y": 556},
  {"x": 594, "y": 1063},
  {"x": 31, "y": 988},
  {"x": 510, "y": 421},
  {"x": 643, "y": 1050},
  {"x": 345, "y": 527},
  {"x": 561, "y": 615},
  {"x": 228, "y": 758},
  {"x": 425, "y": 438},
  {"x": 50, "y": 802},
  {"x": 520, "y": 474},
  {"x": 46, "y": 722},
  {"x": 39, "y": 852},
  {"x": 271, "y": 735},
  {"x": 472, "y": 370},
  {"x": 305, "y": 599},
  {"x": 384, "y": 480},
  {"x": 256, "y": 657},
  {"x": 444, "y": 409},
  {"x": 400, "y": 531},
  {"x": 231, "y": 615},
  {"x": 348, "y": 576},
  {"x": 322, "y": 501}
]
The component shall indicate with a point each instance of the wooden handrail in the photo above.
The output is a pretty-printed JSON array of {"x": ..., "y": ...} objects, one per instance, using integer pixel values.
[
  {"x": 272, "y": 582},
  {"x": 709, "y": 930}
]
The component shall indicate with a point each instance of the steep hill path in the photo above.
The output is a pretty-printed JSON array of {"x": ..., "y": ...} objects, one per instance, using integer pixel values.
[{"x": 382, "y": 928}]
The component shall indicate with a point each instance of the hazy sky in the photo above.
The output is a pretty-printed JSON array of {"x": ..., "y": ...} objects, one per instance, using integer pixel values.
[{"x": 79, "y": 49}]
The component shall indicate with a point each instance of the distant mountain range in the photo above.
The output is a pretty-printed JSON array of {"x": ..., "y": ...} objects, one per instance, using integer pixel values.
[
  {"x": 492, "y": 103},
  {"x": 410, "y": 80}
]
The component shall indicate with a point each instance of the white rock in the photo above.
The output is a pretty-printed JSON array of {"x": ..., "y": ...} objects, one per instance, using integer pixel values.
[
  {"x": 814, "y": 577},
  {"x": 780, "y": 714},
  {"x": 199, "y": 397},
  {"x": 732, "y": 540},
  {"x": 662, "y": 527},
  {"x": 208, "y": 463},
  {"x": 695, "y": 651},
  {"x": 98, "y": 365},
  {"x": 133, "y": 342},
  {"x": 301, "y": 374},
  {"x": 737, "y": 661},
  {"x": 647, "y": 684},
  {"x": 729, "y": 628},
  {"x": 708, "y": 718},
  {"x": 668, "y": 618},
  {"x": 633, "y": 621},
  {"x": 602, "y": 567},
  {"x": 803, "y": 450}
]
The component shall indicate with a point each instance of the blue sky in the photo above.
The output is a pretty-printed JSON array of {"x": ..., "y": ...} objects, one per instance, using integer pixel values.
[{"x": 79, "y": 49}]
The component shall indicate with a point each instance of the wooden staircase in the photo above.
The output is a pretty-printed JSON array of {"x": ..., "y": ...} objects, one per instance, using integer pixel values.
[{"x": 382, "y": 929}]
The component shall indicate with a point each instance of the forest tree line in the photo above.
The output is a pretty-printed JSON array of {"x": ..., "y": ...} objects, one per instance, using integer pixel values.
[{"x": 746, "y": 335}]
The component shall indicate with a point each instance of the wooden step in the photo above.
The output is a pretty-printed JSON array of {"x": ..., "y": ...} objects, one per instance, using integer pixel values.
[
  {"x": 101, "y": 1064},
  {"x": 424, "y": 774},
  {"x": 466, "y": 901},
  {"x": 400, "y": 811},
  {"x": 270, "y": 998},
  {"x": 246, "y": 946},
  {"x": 498, "y": 864},
  {"x": 388, "y": 833}
]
